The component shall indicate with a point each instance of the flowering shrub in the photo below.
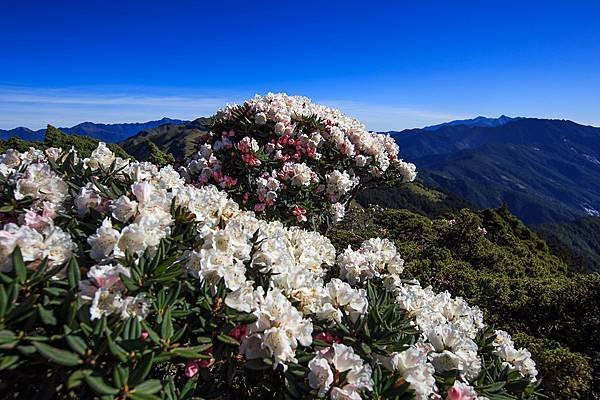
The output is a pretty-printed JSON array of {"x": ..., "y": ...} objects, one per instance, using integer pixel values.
[
  {"x": 119, "y": 280},
  {"x": 289, "y": 159}
]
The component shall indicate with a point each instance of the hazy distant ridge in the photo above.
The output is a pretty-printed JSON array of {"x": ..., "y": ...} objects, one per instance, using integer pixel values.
[{"x": 111, "y": 133}]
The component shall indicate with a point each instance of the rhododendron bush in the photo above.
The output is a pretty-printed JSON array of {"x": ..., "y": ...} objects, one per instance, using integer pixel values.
[
  {"x": 289, "y": 159},
  {"x": 120, "y": 280}
]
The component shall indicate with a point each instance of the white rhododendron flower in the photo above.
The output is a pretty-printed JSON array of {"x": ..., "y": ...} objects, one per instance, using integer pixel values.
[
  {"x": 375, "y": 258},
  {"x": 517, "y": 360},
  {"x": 88, "y": 198},
  {"x": 434, "y": 309},
  {"x": 339, "y": 295},
  {"x": 320, "y": 376},
  {"x": 36, "y": 241},
  {"x": 103, "y": 158},
  {"x": 278, "y": 330},
  {"x": 415, "y": 368},
  {"x": 104, "y": 242},
  {"x": 40, "y": 183},
  {"x": 123, "y": 208},
  {"x": 338, "y": 184},
  {"x": 333, "y": 361},
  {"x": 337, "y": 211},
  {"x": 452, "y": 351}
]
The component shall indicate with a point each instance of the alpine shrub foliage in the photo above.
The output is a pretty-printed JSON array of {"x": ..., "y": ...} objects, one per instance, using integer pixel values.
[{"x": 120, "y": 280}]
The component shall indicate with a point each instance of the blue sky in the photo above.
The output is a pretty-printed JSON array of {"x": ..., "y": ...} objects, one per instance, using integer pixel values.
[{"x": 392, "y": 64}]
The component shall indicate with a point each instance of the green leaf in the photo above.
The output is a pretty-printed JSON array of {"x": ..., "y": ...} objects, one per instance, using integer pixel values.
[
  {"x": 46, "y": 316},
  {"x": 192, "y": 352},
  {"x": 151, "y": 333},
  {"x": 493, "y": 387},
  {"x": 19, "y": 265},
  {"x": 8, "y": 361},
  {"x": 227, "y": 339},
  {"x": 7, "y": 336},
  {"x": 115, "y": 349},
  {"x": 142, "y": 369},
  {"x": 189, "y": 386},
  {"x": 21, "y": 311},
  {"x": 6, "y": 208},
  {"x": 99, "y": 386},
  {"x": 73, "y": 273},
  {"x": 166, "y": 327},
  {"x": 27, "y": 350},
  {"x": 58, "y": 356},
  {"x": 365, "y": 347},
  {"x": 149, "y": 387},
  {"x": 77, "y": 377},
  {"x": 120, "y": 375},
  {"x": 76, "y": 343},
  {"x": 3, "y": 301}
]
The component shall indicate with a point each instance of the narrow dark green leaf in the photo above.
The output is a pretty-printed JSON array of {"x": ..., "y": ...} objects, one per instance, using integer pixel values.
[
  {"x": 19, "y": 265},
  {"x": 227, "y": 339},
  {"x": 3, "y": 301},
  {"x": 149, "y": 387},
  {"x": 58, "y": 356},
  {"x": 73, "y": 273},
  {"x": 77, "y": 377},
  {"x": 7, "y": 336},
  {"x": 99, "y": 385},
  {"x": 120, "y": 375},
  {"x": 46, "y": 316},
  {"x": 142, "y": 369},
  {"x": 166, "y": 327},
  {"x": 76, "y": 343}
]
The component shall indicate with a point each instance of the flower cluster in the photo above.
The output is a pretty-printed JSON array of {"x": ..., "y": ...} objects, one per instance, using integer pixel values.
[
  {"x": 327, "y": 368},
  {"x": 38, "y": 239},
  {"x": 376, "y": 258},
  {"x": 286, "y": 158},
  {"x": 147, "y": 275}
]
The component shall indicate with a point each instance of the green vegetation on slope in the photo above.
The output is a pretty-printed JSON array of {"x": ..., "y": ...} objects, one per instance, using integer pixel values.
[
  {"x": 55, "y": 138},
  {"x": 577, "y": 241},
  {"x": 179, "y": 140},
  {"x": 83, "y": 144},
  {"x": 157, "y": 156},
  {"x": 415, "y": 197}
]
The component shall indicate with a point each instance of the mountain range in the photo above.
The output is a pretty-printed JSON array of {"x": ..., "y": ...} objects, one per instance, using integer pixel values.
[
  {"x": 477, "y": 121},
  {"x": 545, "y": 170},
  {"x": 111, "y": 133}
]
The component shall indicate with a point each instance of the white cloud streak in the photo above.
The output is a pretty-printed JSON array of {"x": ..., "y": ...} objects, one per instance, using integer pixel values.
[{"x": 36, "y": 107}]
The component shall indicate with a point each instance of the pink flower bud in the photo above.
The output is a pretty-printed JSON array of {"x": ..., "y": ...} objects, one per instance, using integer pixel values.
[
  {"x": 191, "y": 369},
  {"x": 238, "y": 332},
  {"x": 300, "y": 213},
  {"x": 454, "y": 393},
  {"x": 327, "y": 337}
]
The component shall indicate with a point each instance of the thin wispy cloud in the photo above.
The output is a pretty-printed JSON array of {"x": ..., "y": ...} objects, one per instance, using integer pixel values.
[
  {"x": 36, "y": 107},
  {"x": 382, "y": 117}
]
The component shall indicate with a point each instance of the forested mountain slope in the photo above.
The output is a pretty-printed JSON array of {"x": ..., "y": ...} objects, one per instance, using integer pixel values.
[{"x": 545, "y": 170}]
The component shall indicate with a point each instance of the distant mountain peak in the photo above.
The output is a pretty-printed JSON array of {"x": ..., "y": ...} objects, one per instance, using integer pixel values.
[
  {"x": 110, "y": 133},
  {"x": 477, "y": 121}
]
